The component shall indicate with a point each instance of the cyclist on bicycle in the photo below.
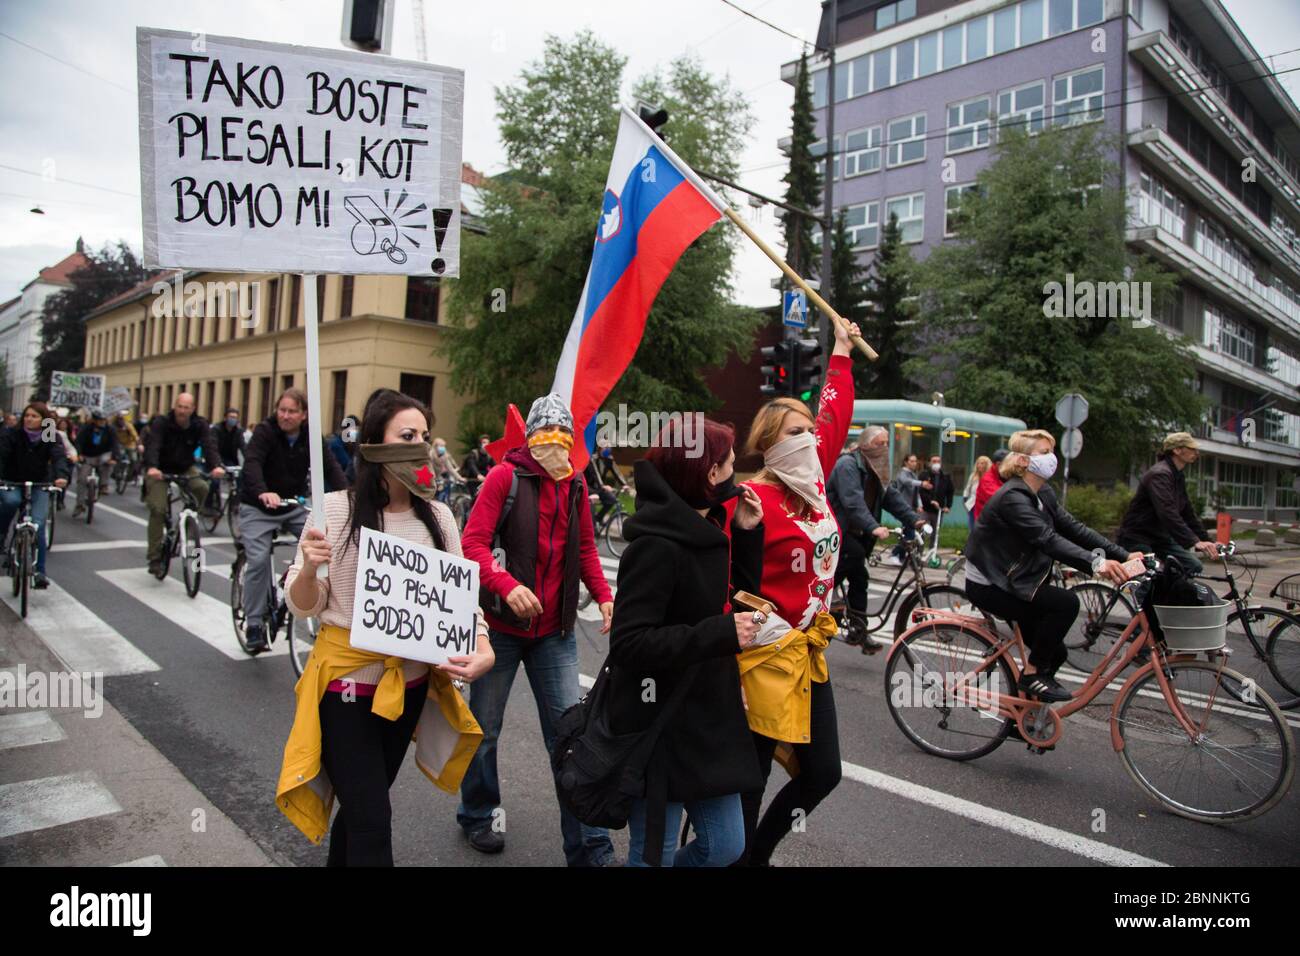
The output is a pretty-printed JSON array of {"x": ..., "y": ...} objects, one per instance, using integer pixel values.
[
  {"x": 1160, "y": 517},
  {"x": 476, "y": 466},
  {"x": 98, "y": 447},
  {"x": 127, "y": 437},
  {"x": 909, "y": 485},
  {"x": 276, "y": 463},
  {"x": 606, "y": 492},
  {"x": 445, "y": 469},
  {"x": 25, "y": 456},
  {"x": 1009, "y": 555},
  {"x": 170, "y": 447},
  {"x": 857, "y": 490}
]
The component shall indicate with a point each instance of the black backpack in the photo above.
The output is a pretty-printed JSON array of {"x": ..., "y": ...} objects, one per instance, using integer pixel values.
[
  {"x": 1172, "y": 587},
  {"x": 599, "y": 774}
]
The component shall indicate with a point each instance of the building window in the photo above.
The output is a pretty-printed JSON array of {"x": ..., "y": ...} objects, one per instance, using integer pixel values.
[
  {"x": 264, "y": 396},
  {"x": 345, "y": 303},
  {"x": 968, "y": 125},
  {"x": 1241, "y": 485},
  {"x": 1004, "y": 30},
  {"x": 892, "y": 13},
  {"x": 819, "y": 89},
  {"x": 862, "y": 151},
  {"x": 818, "y": 150},
  {"x": 927, "y": 54},
  {"x": 977, "y": 39},
  {"x": 340, "y": 395},
  {"x": 860, "y": 70},
  {"x": 1284, "y": 363},
  {"x": 1031, "y": 21},
  {"x": 1023, "y": 106},
  {"x": 1078, "y": 97},
  {"x": 1088, "y": 12},
  {"x": 953, "y": 47},
  {"x": 1231, "y": 335},
  {"x": 1171, "y": 313},
  {"x": 272, "y": 305},
  {"x": 422, "y": 298},
  {"x": 863, "y": 224},
  {"x": 904, "y": 61},
  {"x": 881, "y": 69},
  {"x": 320, "y": 297},
  {"x": 1284, "y": 488},
  {"x": 245, "y": 385},
  {"x": 907, "y": 140},
  {"x": 1060, "y": 17},
  {"x": 910, "y": 212},
  {"x": 295, "y": 301},
  {"x": 1159, "y": 206},
  {"x": 286, "y": 382},
  {"x": 952, "y": 218},
  {"x": 417, "y": 386}
]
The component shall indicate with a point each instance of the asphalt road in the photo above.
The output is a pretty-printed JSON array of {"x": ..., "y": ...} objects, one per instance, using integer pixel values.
[{"x": 222, "y": 719}]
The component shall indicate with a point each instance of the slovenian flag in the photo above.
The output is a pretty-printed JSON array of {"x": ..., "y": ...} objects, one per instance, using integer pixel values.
[{"x": 654, "y": 207}]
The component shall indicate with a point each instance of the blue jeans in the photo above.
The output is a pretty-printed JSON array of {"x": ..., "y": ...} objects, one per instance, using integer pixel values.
[
  {"x": 551, "y": 664},
  {"x": 11, "y": 502},
  {"x": 719, "y": 824}
]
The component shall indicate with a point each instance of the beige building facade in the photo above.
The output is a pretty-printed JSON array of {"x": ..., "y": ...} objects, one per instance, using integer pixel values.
[{"x": 239, "y": 340}]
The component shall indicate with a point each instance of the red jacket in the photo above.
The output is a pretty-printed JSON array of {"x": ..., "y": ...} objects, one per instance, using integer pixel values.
[
  {"x": 552, "y": 531},
  {"x": 987, "y": 487}
]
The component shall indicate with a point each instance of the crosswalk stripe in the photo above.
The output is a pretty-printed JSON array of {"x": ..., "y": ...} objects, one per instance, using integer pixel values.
[
  {"x": 77, "y": 635},
  {"x": 26, "y": 729},
  {"x": 203, "y": 616},
  {"x": 120, "y": 543},
  {"x": 53, "y": 801},
  {"x": 154, "y": 860}
]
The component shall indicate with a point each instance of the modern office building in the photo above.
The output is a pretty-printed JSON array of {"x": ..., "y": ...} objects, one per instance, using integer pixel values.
[{"x": 1210, "y": 157}]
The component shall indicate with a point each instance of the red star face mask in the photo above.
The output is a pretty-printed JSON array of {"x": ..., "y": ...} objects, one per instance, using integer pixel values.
[{"x": 406, "y": 461}]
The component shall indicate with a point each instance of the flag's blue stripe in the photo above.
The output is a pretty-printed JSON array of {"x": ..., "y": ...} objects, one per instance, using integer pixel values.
[{"x": 649, "y": 182}]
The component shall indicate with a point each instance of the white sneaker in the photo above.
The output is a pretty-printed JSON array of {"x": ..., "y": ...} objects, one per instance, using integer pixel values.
[{"x": 892, "y": 560}]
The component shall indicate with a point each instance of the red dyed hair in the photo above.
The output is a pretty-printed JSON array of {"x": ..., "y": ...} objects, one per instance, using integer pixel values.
[{"x": 687, "y": 476}]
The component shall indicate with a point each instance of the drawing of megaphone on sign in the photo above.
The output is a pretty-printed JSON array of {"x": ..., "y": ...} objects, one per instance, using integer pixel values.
[{"x": 373, "y": 232}]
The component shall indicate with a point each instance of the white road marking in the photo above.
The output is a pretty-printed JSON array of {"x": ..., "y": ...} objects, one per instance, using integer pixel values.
[
  {"x": 203, "y": 616},
  {"x": 121, "y": 543},
  {"x": 28, "y": 728},
  {"x": 53, "y": 801},
  {"x": 154, "y": 860},
  {"x": 77, "y": 635}
]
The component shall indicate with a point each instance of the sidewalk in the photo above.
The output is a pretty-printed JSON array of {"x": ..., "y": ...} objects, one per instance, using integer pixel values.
[{"x": 80, "y": 787}]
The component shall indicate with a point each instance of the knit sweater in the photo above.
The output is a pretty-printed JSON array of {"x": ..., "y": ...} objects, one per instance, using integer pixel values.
[{"x": 334, "y": 604}]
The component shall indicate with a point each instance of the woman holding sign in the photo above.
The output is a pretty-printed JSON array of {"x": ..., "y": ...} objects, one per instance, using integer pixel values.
[
  {"x": 675, "y": 636},
  {"x": 357, "y": 710}
]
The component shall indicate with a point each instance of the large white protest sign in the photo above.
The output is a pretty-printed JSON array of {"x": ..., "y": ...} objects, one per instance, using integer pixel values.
[
  {"x": 76, "y": 389},
  {"x": 117, "y": 399},
  {"x": 266, "y": 157},
  {"x": 412, "y": 601}
]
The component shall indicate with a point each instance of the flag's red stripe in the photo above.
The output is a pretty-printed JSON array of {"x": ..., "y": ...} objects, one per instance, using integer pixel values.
[{"x": 614, "y": 332}]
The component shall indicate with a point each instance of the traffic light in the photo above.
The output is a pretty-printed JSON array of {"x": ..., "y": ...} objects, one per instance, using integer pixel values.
[
  {"x": 777, "y": 368},
  {"x": 807, "y": 368}
]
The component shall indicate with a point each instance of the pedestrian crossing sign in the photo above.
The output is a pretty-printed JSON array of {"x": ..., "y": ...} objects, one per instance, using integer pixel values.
[{"x": 794, "y": 309}]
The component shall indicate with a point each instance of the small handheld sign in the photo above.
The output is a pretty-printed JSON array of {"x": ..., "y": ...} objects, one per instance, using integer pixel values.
[{"x": 413, "y": 601}]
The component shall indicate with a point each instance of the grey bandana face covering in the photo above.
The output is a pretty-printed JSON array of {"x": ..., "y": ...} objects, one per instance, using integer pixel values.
[{"x": 405, "y": 461}]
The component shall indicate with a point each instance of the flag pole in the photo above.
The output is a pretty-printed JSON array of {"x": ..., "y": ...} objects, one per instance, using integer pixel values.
[
  {"x": 794, "y": 277},
  {"x": 315, "y": 416}
]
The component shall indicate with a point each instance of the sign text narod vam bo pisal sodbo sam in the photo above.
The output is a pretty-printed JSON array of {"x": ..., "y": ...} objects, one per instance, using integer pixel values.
[
  {"x": 267, "y": 157},
  {"x": 413, "y": 601}
]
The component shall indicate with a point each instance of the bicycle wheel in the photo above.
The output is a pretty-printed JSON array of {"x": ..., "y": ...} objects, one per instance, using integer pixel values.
[
  {"x": 1095, "y": 630},
  {"x": 209, "y": 518},
  {"x": 15, "y": 565},
  {"x": 1283, "y": 652},
  {"x": 192, "y": 558},
  {"x": 120, "y": 478},
  {"x": 936, "y": 595},
  {"x": 25, "y": 548},
  {"x": 1250, "y": 653},
  {"x": 614, "y": 533},
  {"x": 957, "y": 572},
  {"x": 1238, "y": 762},
  {"x": 302, "y": 638},
  {"x": 460, "y": 509},
  {"x": 232, "y": 515},
  {"x": 49, "y": 522},
  {"x": 584, "y": 596},
  {"x": 92, "y": 494},
  {"x": 932, "y": 711},
  {"x": 237, "y": 615}
]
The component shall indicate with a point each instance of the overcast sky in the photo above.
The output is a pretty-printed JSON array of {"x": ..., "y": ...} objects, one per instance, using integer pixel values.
[{"x": 81, "y": 127}]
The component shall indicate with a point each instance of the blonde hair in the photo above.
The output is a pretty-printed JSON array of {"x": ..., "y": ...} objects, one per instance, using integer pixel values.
[
  {"x": 766, "y": 429},
  {"x": 1022, "y": 443},
  {"x": 984, "y": 460}
]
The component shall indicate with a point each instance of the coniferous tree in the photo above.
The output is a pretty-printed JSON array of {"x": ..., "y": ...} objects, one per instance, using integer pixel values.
[{"x": 890, "y": 309}]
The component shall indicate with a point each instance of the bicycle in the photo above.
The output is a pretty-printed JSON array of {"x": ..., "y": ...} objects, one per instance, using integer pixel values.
[
  {"x": 943, "y": 681},
  {"x": 182, "y": 539},
  {"x": 125, "y": 473},
  {"x": 92, "y": 491},
  {"x": 460, "y": 500},
  {"x": 611, "y": 526},
  {"x": 915, "y": 593},
  {"x": 56, "y": 497},
  {"x": 211, "y": 517},
  {"x": 301, "y": 634},
  {"x": 21, "y": 546}
]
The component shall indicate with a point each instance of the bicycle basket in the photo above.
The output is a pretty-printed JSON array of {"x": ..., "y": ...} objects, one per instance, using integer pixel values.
[{"x": 1194, "y": 627}]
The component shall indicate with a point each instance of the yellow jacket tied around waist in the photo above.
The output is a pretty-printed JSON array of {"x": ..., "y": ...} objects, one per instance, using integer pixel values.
[
  {"x": 777, "y": 679},
  {"x": 446, "y": 735}
]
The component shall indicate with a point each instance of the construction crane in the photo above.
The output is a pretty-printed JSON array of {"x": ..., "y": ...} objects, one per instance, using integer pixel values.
[{"x": 417, "y": 12}]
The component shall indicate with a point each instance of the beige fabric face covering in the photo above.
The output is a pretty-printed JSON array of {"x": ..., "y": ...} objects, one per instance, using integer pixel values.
[{"x": 794, "y": 460}]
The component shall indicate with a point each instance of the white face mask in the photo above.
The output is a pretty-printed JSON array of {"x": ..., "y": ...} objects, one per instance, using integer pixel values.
[
  {"x": 794, "y": 460},
  {"x": 1044, "y": 466},
  {"x": 935, "y": 467}
]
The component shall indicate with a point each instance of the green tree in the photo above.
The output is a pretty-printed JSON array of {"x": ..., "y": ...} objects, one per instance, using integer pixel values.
[
  {"x": 1050, "y": 206},
  {"x": 520, "y": 282},
  {"x": 803, "y": 179},
  {"x": 891, "y": 307},
  {"x": 63, "y": 322}
]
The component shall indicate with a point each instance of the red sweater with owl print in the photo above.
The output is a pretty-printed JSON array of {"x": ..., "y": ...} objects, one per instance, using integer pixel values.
[{"x": 800, "y": 555}]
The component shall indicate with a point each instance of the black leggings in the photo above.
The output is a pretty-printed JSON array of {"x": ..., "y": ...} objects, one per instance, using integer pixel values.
[
  {"x": 362, "y": 753},
  {"x": 1044, "y": 621},
  {"x": 819, "y": 773},
  {"x": 855, "y": 548}
]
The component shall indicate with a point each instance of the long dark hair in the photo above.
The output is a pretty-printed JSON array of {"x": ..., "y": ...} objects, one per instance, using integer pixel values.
[{"x": 368, "y": 495}]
